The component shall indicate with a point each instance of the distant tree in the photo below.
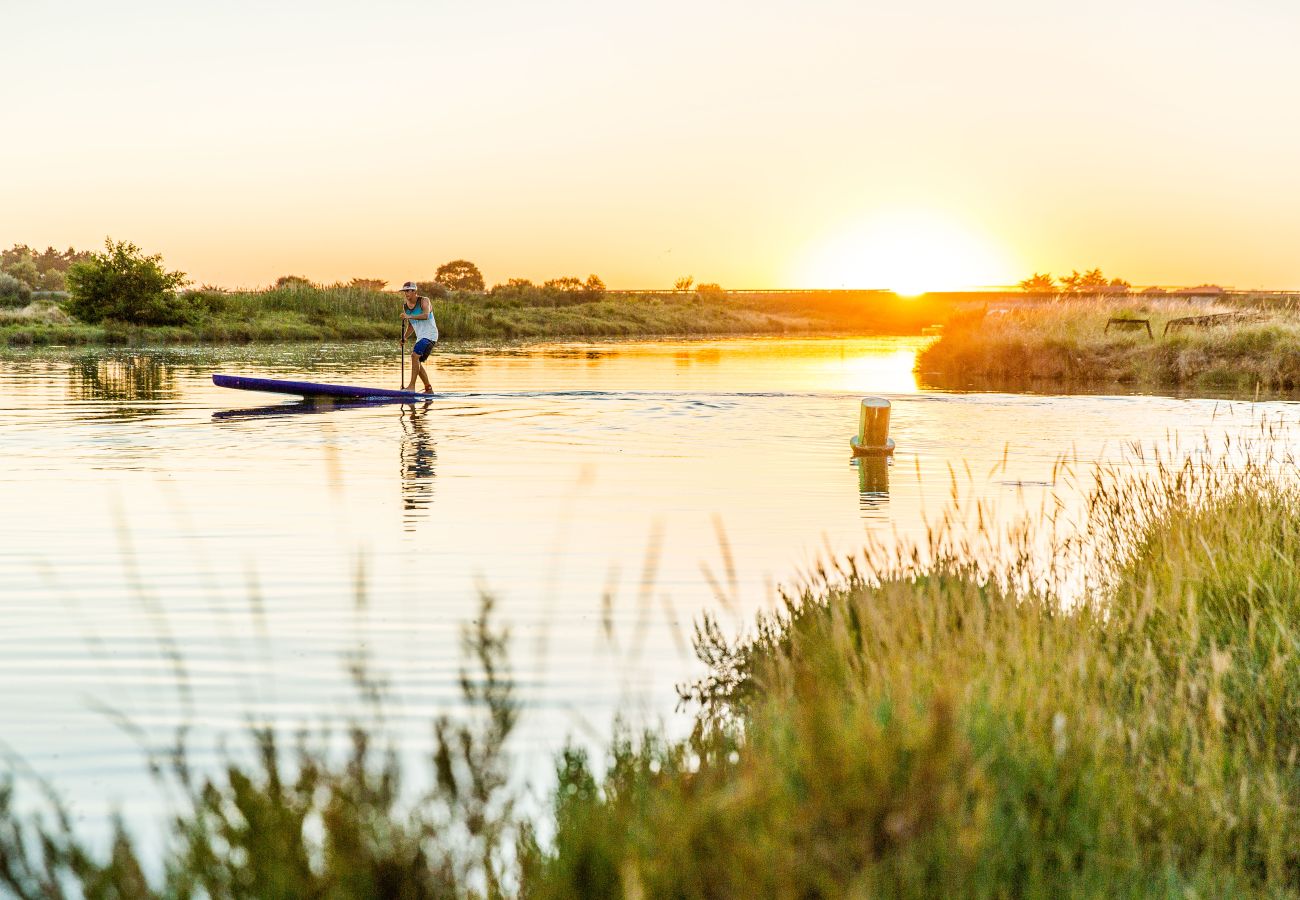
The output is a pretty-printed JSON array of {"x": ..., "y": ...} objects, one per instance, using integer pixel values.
[
  {"x": 1039, "y": 283},
  {"x": 1089, "y": 282},
  {"x": 368, "y": 284},
  {"x": 53, "y": 280},
  {"x": 1092, "y": 281},
  {"x": 293, "y": 282},
  {"x": 49, "y": 260},
  {"x": 71, "y": 257},
  {"x": 593, "y": 285},
  {"x": 124, "y": 285},
  {"x": 566, "y": 284},
  {"x": 513, "y": 287},
  {"x": 684, "y": 283},
  {"x": 32, "y": 268},
  {"x": 13, "y": 291},
  {"x": 710, "y": 290},
  {"x": 1120, "y": 283},
  {"x": 1201, "y": 290},
  {"x": 434, "y": 289},
  {"x": 24, "y": 269},
  {"x": 14, "y": 254},
  {"x": 459, "y": 275}
]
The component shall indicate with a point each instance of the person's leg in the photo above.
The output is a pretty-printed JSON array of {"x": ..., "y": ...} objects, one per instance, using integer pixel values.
[
  {"x": 416, "y": 366},
  {"x": 426, "y": 347}
]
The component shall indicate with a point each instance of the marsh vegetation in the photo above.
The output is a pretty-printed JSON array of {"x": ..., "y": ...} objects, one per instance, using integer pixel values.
[
  {"x": 1242, "y": 344},
  {"x": 309, "y": 313}
]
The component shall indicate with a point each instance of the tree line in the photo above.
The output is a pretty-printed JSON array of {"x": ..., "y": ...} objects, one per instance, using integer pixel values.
[
  {"x": 1093, "y": 282},
  {"x": 125, "y": 284},
  {"x": 24, "y": 269}
]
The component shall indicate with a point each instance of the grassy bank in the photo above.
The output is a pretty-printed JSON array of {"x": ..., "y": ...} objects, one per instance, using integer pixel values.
[
  {"x": 918, "y": 733},
  {"x": 1067, "y": 342},
  {"x": 315, "y": 314}
]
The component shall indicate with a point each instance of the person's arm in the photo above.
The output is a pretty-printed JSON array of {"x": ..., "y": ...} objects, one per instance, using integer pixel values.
[{"x": 426, "y": 310}]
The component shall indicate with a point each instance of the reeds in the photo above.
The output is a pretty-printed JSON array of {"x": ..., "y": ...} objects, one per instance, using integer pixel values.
[{"x": 1067, "y": 342}]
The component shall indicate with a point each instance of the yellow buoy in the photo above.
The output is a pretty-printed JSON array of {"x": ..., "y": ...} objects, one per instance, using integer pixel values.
[{"x": 873, "y": 437}]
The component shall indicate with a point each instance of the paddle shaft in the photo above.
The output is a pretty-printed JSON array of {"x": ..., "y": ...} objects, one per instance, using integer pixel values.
[{"x": 403, "y": 384}]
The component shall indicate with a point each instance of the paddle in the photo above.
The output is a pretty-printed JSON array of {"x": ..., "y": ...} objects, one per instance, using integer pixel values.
[{"x": 403, "y": 384}]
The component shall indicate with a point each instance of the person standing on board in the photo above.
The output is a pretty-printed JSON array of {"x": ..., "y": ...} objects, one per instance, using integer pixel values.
[{"x": 417, "y": 319}]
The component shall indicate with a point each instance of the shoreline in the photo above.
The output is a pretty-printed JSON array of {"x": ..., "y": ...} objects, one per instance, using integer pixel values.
[
  {"x": 311, "y": 314},
  {"x": 1075, "y": 343}
]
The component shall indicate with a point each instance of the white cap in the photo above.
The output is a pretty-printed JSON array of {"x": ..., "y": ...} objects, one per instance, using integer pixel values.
[{"x": 410, "y": 286}]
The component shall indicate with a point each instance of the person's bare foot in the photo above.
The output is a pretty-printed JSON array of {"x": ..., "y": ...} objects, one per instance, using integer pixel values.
[{"x": 429, "y": 389}]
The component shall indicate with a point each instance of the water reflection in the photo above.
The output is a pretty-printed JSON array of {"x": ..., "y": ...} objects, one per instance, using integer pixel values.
[
  {"x": 123, "y": 379},
  {"x": 873, "y": 484},
  {"x": 418, "y": 458}
]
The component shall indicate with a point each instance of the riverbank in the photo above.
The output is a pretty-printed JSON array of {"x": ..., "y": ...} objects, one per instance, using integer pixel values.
[
  {"x": 1248, "y": 346},
  {"x": 917, "y": 732},
  {"x": 320, "y": 314}
]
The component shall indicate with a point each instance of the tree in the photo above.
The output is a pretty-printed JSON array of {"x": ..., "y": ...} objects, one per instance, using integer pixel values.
[
  {"x": 459, "y": 275},
  {"x": 25, "y": 271},
  {"x": 1090, "y": 282},
  {"x": 567, "y": 284},
  {"x": 684, "y": 283},
  {"x": 368, "y": 284},
  {"x": 13, "y": 291},
  {"x": 14, "y": 254},
  {"x": 124, "y": 285},
  {"x": 1039, "y": 283},
  {"x": 710, "y": 290},
  {"x": 293, "y": 282},
  {"x": 594, "y": 285},
  {"x": 519, "y": 283}
]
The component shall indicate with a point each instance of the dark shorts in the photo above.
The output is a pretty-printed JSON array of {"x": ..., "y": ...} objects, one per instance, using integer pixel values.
[{"x": 423, "y": 347}]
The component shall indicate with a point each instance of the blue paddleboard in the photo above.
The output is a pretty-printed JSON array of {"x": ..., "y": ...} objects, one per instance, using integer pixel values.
[{"x": 311, "y": 390}]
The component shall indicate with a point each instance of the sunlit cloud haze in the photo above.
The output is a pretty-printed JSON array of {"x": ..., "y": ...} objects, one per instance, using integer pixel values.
[{"x": 752, "y": 144}]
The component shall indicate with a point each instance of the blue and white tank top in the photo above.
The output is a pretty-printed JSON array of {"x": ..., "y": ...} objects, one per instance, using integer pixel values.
[{"x": 424, "y": 328}]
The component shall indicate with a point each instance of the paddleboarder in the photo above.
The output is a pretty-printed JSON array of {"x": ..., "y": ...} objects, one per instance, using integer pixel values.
[{"x": 417, "y": 319}]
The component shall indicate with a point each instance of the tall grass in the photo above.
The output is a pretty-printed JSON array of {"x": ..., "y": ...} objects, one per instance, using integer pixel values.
[
  {"x": 1068, "y": 342},
  {"x": 922, "y": 729}
]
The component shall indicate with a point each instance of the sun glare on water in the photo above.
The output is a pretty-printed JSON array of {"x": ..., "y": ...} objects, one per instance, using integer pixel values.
[{"x": 909, "y": 253}]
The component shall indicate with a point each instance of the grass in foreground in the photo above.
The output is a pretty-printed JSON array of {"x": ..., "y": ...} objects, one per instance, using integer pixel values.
[
  {"x": 925, "y": 732},
  {"x": 1067, "y": 342}
]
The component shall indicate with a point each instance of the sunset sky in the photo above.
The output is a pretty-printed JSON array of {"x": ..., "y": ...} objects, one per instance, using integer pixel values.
[{"x": 772, "y": 144}]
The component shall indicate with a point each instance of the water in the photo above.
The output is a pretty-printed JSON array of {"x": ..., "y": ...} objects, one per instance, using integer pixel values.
[{"x": 172, "y": 552}]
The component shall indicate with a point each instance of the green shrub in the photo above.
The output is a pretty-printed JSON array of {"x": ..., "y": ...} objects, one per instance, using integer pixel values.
[
  {"x": 124, "y": 285},
  {"x": 13, "y": 291}
]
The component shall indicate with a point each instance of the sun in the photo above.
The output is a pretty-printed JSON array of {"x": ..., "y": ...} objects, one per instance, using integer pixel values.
[{"x": 907, "y": 252}]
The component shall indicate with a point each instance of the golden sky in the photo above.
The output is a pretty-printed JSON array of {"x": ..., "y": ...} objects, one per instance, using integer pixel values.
[{"x": 755, "y": 144}]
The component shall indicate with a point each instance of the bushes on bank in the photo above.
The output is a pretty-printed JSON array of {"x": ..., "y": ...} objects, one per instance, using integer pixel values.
[
  {"x": 123, "y": 285},
  {"x": 13, "y": 291}
]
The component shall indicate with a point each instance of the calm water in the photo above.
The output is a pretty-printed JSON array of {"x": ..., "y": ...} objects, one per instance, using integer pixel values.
[{"x": 605, "y": 494}]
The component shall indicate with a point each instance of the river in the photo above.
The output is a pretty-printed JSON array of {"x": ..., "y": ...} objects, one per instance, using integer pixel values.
[{"x": 176, "y": 553}]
